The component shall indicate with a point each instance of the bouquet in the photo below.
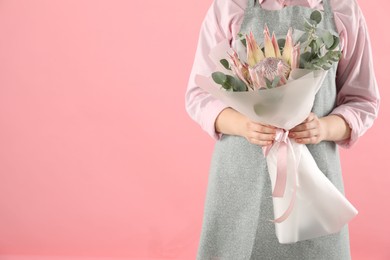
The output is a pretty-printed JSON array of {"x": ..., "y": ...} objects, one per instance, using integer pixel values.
[{"x": 277, "y": 85}]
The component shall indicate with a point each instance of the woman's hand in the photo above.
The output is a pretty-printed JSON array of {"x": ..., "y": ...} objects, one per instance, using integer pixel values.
[
  {"x": 314, "y": 130},
  {"x": 230, "y": 121},
  {"x": 311, "y": 131},
  {"x": 257, "y": 133}
]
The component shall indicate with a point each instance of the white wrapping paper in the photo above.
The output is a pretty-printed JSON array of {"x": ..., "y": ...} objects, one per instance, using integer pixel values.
[{"x": 319, "y": 207}]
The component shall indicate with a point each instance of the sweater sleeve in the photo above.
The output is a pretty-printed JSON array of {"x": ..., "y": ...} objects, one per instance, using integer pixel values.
[
  {"x": 358, "y": 96},
  {"x": 217, "y": 25}
]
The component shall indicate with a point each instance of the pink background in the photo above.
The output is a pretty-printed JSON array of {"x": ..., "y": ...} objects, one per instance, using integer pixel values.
[{"x": 98, "y": 157}]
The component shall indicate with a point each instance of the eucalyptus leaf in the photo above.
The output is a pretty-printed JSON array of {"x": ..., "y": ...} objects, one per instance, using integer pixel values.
[
  {"x": 268, "y": 82},
  {"x": 328, "y": 39},
  {"x": 305, "y": 56},
  {"x": 308, "y": 26},
  {"x": 332, "y": 55},
  {"x": 229, "y": 82},
  {"x": 315, "y": 66},
  {"x": 307, "y": 65},
  {"x": 303, "y": 38},
  {"x": 243, "y": 41},
  {"x": 225, "y": 63},
  {"x": 242, "y": 38},
  {"x": 234, "y": 84},
  {"x": 275, "y": 82},
  {"x": 327, "y": 66},
  {"x": 319, "y": 42},
  {"x": 313, "y": 22},
  {"x": 316, "y": 16},
  {"x": 281, "y": 42},
  {"x": 336, "y": 41},
  {"x": 219, "y": 77},
  {"x": 239, "y": 85},
  {"x": 228, "y": 87},
  {"x": 314, "y": 47},
  {"x": 314, "y": 56}
]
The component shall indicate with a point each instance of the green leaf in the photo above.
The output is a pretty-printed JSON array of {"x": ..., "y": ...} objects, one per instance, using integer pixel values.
[
  {"x": 229, "y": 82},
  {"x": 281, "y": 42},
  {"x": 225, "y": 63},
  {"x": 303, "y": 38},
  {"x": 319, "y": 42},
  {"x": 316, "y": 67},
  {"x": 336, "y": 41},
  {"x": 327, "y": 66},
  {"x": 332, "y": 55},
  {"x": 268, "y": 82},
  {"x": 308, "y": 26},
  {"x": 234, "y": 84},
  {"x": 328, "y": 39},
  {"x": 239, "y": 85},
  {"x": 227, "y": 87},
  {"x": 313, "y": 22},
  {"x": 275, "y": 82},
  {"x": 305, "y": 56},
  {"x": 306, "y": 65},
  {"x": 314, "y": 47},
  {"x": 219, "y": 77},
  {"x": 325, "y": 62},
  {"x": 314, "y": 56},
  {"x": 243, "y": 41},
  {"x": 316, "y": 16},
  {"x": 242, "y": 38}
]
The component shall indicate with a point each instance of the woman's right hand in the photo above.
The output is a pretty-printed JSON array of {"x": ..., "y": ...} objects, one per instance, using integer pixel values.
[
  {"x": 230, "y": 121},
  {"x": 258, "y": 133}
]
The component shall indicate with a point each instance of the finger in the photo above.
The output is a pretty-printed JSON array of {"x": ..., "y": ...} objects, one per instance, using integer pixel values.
[
  {"x": 261, "y": 124},
  {"x": 309, "y": 140},
  {"x": 262, "y": 136},
  {"x": 304, "y": 127},
  {"x": 310, "y": 118},
  {"x": 263, "y": 128},
  {"x": 306, "y": 134},
  {"x": 260, "y": 142}
]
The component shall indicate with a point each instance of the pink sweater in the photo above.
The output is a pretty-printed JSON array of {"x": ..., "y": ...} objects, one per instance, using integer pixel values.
[{"x": 358, "y": 97}]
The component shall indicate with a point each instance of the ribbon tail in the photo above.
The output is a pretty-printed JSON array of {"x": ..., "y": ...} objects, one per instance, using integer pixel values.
[
  {"x": 285, "y": 215},
  {"x": 266, "y": 149},
  {"x": 281, "y": 176}
]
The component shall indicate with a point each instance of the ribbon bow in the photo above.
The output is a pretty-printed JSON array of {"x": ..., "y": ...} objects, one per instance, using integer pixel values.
[{"x": 281, "y": 177}]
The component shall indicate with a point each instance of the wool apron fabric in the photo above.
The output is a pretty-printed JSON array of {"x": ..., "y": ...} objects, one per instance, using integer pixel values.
[{"x": 238, "y": 204}]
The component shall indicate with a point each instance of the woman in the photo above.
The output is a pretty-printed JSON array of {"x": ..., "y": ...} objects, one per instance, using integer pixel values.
[{"x": 238, "y": 200}]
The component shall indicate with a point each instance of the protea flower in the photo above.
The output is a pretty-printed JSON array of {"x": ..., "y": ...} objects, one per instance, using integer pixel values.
[
  {"x": 272, "y": 65},
  {"x": 239, "y": 68}
]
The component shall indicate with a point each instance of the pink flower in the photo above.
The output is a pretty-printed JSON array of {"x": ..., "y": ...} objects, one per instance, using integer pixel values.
[
  {"x": 269, "y": 64},
  {"x": 239, "y": 68}
]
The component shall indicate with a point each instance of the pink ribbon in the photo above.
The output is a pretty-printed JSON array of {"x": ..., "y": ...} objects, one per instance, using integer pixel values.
[{"x": 281, "y": 175}]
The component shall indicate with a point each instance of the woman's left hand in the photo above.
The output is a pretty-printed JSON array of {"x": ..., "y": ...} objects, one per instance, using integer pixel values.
[{"x": 310, "y": 131}]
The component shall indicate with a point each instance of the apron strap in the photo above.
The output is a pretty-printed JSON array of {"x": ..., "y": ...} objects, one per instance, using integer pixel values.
[
  {"x": 252, "y": 3},
  {"x": 327, "y": 9}
]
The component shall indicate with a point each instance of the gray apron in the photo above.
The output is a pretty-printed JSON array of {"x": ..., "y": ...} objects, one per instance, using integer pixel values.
[{"x": 238, "y": 204}]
